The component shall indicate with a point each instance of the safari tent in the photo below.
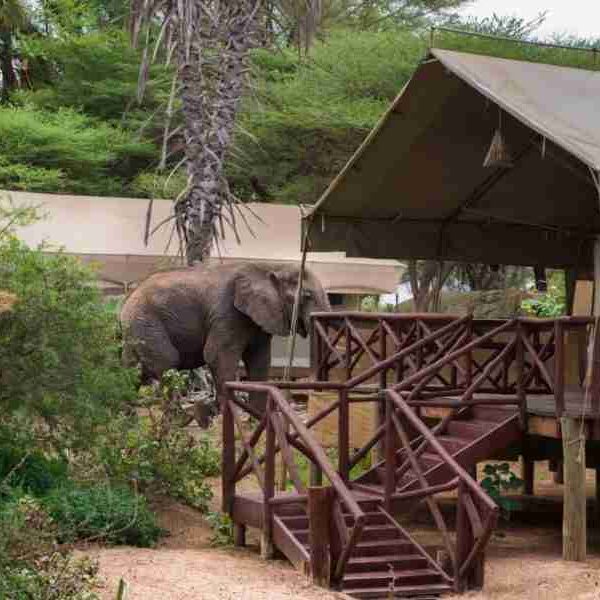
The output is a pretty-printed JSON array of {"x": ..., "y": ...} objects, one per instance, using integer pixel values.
[
  {"x": 418, "y": 187},
  {"x": 109, "y": 232}
]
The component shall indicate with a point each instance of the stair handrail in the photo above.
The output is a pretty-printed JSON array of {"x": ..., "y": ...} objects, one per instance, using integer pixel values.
[
  {"x": 319, "y": 456},
  {"x": 444, "y": 454},
  {"x": 462, "y": 477}
]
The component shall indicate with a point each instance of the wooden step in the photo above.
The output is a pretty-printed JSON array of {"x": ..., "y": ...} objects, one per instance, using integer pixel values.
[
  {"x": 369, "y": 532},
  {"x": 407, "y": 591},
  {"x": 383, "y": 578},
  {"x": 496, "y": 414},
  {"x": 362, "y": 564},
  {"x": 468, "y": 430},
  {"x": 397, "y": 546},
  {"x": 450, "y": 443},
  {"x": 296, "y": 522}
]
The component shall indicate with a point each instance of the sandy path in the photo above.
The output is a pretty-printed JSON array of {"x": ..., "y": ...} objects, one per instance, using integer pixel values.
[
  {"x": 185, "y": 566},
  {"x": 523, "y": 563}
]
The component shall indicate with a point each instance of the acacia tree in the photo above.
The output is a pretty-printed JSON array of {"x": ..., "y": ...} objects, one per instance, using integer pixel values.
[{"x": 209, "y": 43}]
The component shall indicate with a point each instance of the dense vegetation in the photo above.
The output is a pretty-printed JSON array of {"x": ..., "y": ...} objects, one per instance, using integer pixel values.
[{"x": 75, "y": 463}]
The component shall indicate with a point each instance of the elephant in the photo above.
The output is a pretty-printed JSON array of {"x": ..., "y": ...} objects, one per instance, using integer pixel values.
[{"x": 215, "y": 315}]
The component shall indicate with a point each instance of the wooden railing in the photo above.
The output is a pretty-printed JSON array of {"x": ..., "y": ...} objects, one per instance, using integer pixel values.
[
  {"x": 477, "y": 513},
  {"x": 283, "y": 429},
  {"x": 404, "y": 363},
  {"x": 382, "y": 349}
]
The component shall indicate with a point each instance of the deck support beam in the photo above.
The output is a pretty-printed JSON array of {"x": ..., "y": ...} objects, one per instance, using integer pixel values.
[
  {"x": 319, "y": 517},
  {"x": 528, "y": 476},
  {"x": 574, "y": 505}
]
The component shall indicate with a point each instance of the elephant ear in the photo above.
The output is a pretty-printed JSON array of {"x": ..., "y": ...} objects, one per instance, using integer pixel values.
[{"x": 258, "y": 297}]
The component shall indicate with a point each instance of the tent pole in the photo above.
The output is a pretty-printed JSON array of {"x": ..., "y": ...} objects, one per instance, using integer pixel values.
[
  {"x": 573, "y": 434},
  {"x": 292, "y": 337}
]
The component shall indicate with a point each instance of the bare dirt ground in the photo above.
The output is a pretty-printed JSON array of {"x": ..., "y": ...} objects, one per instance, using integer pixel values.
[
  {"x": 523, "y": 560},
  {"x": 186, "y": 566}
]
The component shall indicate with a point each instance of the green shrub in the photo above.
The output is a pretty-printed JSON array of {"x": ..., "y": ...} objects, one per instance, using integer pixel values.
[
  {"x": 63, "y": 150},
  {"x": 498, "y": 480},
  {"x": 31, "y": 566},
  {"x": 222, "y": 527},
  {"x": 60, "y": 370},
  {"x": 102, "y": 512},
  {"x": 172, "y": 462}
]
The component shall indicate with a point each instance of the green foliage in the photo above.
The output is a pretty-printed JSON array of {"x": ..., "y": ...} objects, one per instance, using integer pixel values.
[
  {"x": 66, "y": 150},
  {"x": 31, "y": 566},
  {"x": 551, "y": 303},
  {"x": 58, "y": 349},
  {"x": 102, "y": 512},
  {"x": 498, "y": 480},
  {"x": 159, "y": 459},
  {"x": 222, "y": 526},
  {"x": 308, "y": 116},
  {"x": 570, "y": 57},
  {"x": 96, "y": 73},
  {"x": 31, "y": 470}
]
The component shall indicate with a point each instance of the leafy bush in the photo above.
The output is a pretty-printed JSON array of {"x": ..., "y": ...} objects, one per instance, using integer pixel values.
[
  {"x": 222, "y": 527},
  {"x": 162, "y": 462},
  {"x": 64, "y": 150},
  {"x": 102, "y": 512},
  {"x": 551, "y": 303},
  {"x": 498, "y": 480},
  {"x": 31, "y": 564},
  {"x": 59, "y": 363}
]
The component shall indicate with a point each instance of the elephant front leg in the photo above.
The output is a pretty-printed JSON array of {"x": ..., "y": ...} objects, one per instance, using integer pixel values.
[{"x": 257, "y": 359}]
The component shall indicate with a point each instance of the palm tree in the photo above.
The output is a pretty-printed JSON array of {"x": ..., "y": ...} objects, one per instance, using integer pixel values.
[
  {"x": 13, "y": 17},
  {"x": 209, "y": 42}
]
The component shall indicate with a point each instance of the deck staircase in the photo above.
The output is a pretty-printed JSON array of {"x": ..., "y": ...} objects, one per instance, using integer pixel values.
[
  {"x": 386, "y": 559},
  {"x": 455, "y": 402},
  {"x": 471, "y": 437}
]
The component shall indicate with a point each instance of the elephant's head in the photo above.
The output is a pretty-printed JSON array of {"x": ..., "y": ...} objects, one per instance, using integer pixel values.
[{"x": 267, "y": 294}]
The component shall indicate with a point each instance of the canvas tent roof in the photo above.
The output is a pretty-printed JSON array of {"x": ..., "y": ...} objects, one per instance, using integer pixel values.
[
  {"x": 417, "y": 187},
  {"x": 109, "y": 232}
]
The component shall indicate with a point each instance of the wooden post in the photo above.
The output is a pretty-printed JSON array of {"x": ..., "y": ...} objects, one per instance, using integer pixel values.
[
  {"x": 316, "y": 475},
  {"x": 228, "y": 453},
  {"x": 559, "y": 368},
  {"x": 521, "y": 392},
  {"x": 559, "y": 473},
  {"x": 574, "y": 507},
  {"x": 319, "y": 517},
  {"x": 597, "y": 498},
  {"x": 344, "y": 436},
  {"x": 382, "y": 386},
  {"x": 266, "y": 538},
  {"x": 528, "y": 476},
  {"x": 239, "y": 534},
  {"x": 390, "y": 454}
]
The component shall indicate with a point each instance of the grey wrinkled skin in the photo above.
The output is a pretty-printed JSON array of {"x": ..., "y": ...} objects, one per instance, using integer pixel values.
[{"x": 215, "y": 315}]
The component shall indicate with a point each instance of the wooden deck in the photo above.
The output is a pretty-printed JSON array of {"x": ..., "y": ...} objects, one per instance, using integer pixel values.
[{"x": 448, "y": 393}]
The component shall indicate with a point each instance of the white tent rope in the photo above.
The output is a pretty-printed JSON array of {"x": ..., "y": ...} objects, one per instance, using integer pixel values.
[
  {"x": 296, "y": 310},
  {"x": 294, "y": 332}
]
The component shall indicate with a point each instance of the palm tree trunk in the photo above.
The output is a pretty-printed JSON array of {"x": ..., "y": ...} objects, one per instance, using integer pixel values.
[{"x": 212, "y": 89}]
